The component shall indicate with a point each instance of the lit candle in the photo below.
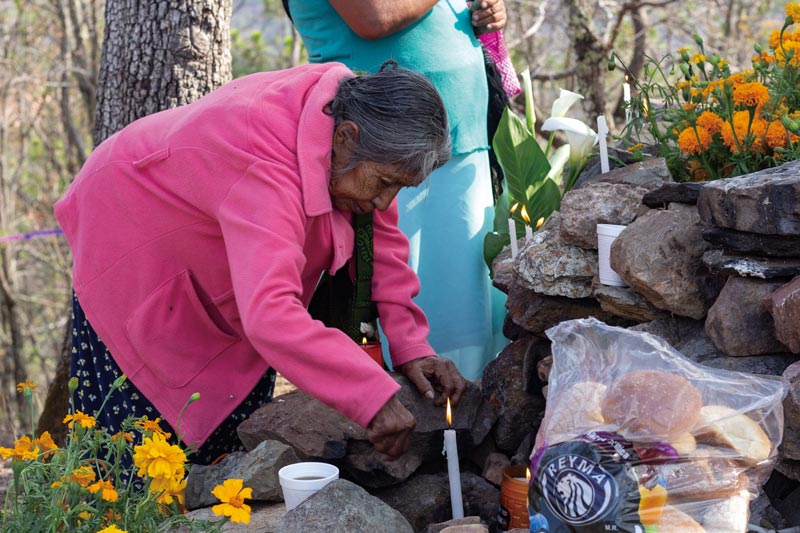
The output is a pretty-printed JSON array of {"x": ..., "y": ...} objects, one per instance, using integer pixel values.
[
  {"x": 539, "y": 222},
  {"x": 453, "y": 472},
  {"x": 374, "y": 350},
  {"x": 512, "y": 233},
  {"x": 602, "y": 131},
  {"x": 626, "y": 97},
  {"x": 527, "y": 219}
]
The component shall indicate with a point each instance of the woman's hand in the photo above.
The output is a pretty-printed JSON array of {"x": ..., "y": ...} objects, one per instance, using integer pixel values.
[
  {"x": 488, "y": 16},
  {"x": 429, "y": 373},
  {"x": 391, "y": 428}
]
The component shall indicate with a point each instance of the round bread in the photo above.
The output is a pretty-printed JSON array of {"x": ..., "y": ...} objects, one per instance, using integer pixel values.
[
  {"x": 674, "y": 520},
  {"x": 723, "y": 426},
  {"x": 576, "y": 411},
  {"x": 651, "y": 405}
]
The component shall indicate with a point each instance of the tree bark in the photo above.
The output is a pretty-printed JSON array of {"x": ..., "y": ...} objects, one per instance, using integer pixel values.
[
  {"x": 155, "y": 56},
  {"x": 591, "y": 56}
]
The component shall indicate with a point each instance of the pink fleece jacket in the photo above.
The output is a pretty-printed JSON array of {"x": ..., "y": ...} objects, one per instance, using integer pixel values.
[{"x": 199, "y": 235}]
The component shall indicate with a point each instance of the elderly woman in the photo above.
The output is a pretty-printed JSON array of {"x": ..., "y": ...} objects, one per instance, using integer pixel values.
[{"x": 200, "y": 233}]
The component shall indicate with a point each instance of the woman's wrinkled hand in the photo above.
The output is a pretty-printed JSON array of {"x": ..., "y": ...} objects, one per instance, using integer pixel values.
[
  {"x": 488, "y": 16},
  {"x": 391, "y": 428},
  {"x": 437, "y": 374}
]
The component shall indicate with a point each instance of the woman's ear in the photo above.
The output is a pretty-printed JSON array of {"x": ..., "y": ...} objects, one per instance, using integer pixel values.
[{"x": 346, "y": 136}]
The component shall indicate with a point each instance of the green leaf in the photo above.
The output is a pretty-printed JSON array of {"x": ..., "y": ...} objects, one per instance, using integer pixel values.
[
  {"x": 523, "y": 161},
  {"x": 493, "y": 244},
  {"x": 544, "y": 201}
]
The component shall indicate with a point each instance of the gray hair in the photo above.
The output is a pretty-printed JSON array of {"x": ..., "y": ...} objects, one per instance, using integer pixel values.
[{"x": 401, "y": 119}]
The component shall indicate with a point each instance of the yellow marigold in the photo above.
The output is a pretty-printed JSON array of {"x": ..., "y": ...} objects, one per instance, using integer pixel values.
[
  {"x": 710, "y": 121},
  {"x": 752, "y": 94},
  {"x": 84, "y": 515},
  {"x": 737, "y": 136},
  {"x": 159, "y": 459},
  {"x": 27, "y": 384},
  {"x": 55, "y": 484},
  {"x": 722, "y": 63},
  {"x": 23, "y": 449},
  {"x": 689, "y": 106},
  {"x": 86, "y": 421},
  {"x": 697, "y": 171},
  {"x": 793, "y": 10},
  {"x": 45, "y": 442},
  {"x": 83, "y": 475},
  {"x": 635, "y": 147},
  {"x": 698, "y": 58},
  {"x": 694, "y": 140},
  {"x": 122, "y": 436},
  {"x": 776, "y": 135},
  {"x": 107, "y": 490},
  {"x": 112, "y": 529},
  {"x": 775, "y": 39},
  {"x": 176, "y": 491},
  {"x": 232, "y": 496},
  {"x": 152, "y": 426}
]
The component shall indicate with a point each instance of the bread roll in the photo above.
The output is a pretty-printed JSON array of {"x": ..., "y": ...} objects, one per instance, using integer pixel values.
[
  {"x": 675, "y": 521},
  {"x": 729, "y": 515},
  {"x": 723, "y": 426},
  {"x": 705, "y": 475},
  {"x": 651, "y": 405},
  {"x": 576, "y": 411},
  {"x": 684, "y": 443}
]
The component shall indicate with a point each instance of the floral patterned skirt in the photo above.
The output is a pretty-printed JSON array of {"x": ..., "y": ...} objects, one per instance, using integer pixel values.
[{"x": 96, "y": 370}]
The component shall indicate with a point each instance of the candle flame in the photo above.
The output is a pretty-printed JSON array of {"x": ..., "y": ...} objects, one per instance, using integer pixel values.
[
  {"x": 528, "y": 474},
  {"x": 514, "y": 207},
  {"x": 525, "y": 216},
  {"x": 645, "y": 109},
  {"x": 539, "y": 222},
  {"x": 626, "y": 78},
  {"x": 449, "y": 415},
  {"x": 364, "y": 341}
]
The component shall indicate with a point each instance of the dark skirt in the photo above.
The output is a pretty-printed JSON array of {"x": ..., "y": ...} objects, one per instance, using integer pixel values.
[{"x": 96, "y": 370}]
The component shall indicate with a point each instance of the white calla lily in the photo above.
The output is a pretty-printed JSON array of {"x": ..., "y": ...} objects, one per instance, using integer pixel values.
[
  {"x": 564, "y": 101},
  {"x": 581, "y": 137}
]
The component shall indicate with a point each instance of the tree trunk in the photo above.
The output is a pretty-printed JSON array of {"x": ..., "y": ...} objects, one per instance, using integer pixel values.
[
  {"x": 591, "y": 56},
  {"x": 156, "y": 56}
]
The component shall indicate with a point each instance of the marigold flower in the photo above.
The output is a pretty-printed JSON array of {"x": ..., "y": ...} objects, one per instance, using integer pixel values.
[
  {"x": 83, "y": 475},
  {"x": 45, "y": 442},
  {"x": 112, "y": 529},
  {"x": 710, "y": 121},
  {"x": 698, "y": 58},
  {"x": 108, "y": 492},
  {"x": 27, "y": 384},
  {"x": 23, "y": 449},
  {"x": 776, "y": 135},
  {"x": 793, "y": 10},
  {"x": 159, "y": 459},
  {"x": 152, "y": 426},
  {"x": 122, "y": 436},
  {"x": 751, "y": 94},
  {"x": 232, "y": 496},
  {"x": 742, "y": 131},
  {"x": 694, "y": 140},
  {"x": 176, "y": 491},
  {"x": 86, "y": 421}
]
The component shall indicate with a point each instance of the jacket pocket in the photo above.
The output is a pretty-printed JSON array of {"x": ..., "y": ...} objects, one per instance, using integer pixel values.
[{"x": 173, "y": 334}]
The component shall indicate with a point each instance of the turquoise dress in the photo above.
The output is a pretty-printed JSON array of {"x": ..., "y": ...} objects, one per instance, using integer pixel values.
[{"x": 446, "y": 218}]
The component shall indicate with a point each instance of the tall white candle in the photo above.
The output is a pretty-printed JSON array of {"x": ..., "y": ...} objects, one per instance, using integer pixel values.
[
  {"x": 512, "y": 233},
  {"x": 602, "y": 132},
  {"x": 453, "y": 471},
  {"x": 626, "y": 97},
  {"x": 528, "y": 232}
]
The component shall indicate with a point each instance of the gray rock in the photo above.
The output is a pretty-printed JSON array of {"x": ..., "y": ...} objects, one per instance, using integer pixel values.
[
  {"x": 466, "y": 528},
  {"x": 535, "y": 312},
  {"x": 264, "y": 518},
  {"x": 466, "y": 521},
  {"x": 342, "y": 506},
  {"x": 784, "y": 306},
  {"x": 425, "y": 499},
  {"x": 738, "y": 323},
  {"x": 317, "y": 432},
  {"x": 597, "y": 203},
  {"x": 682, "y": 193},
  {"x": 503, "y": 270},
  {"x": 762, "y": 510},
  {"x": 791, "y": 412},
  {"x": 751, "y": 266},
  {"x": 789, "y": 468},
  {"x": 766, "y": 202},
  {"x": 549, "y": 266},
  {"x": 659, "y": 256},
  {"x": 650, "y": 173},
  {"x": 626, "y": 303},
  {"x": 753, "y": 243},
  {"x": 258, "y": 469},
  {"x": 493, "y": 468},
  {"x": 504, "y": 385}
]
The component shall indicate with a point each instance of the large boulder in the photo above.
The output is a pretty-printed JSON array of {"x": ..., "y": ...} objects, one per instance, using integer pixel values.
[{"x": 784, "y": 306}]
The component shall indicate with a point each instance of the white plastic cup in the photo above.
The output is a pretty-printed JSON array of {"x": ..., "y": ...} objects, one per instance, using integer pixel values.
[
  {"x": 301, "y": 480},
  {"x": 606, "y": 233}
]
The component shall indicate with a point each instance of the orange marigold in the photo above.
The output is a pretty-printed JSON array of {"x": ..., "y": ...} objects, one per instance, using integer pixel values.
[
  {"x": 776, "y": 135},
  {"x": 694, "y": 140},
  {"x": 793, "y": 10},
  {"x": 83, "y": 475},
  {"x": 750, "y": 94},
  {"x": 739, "y": 138},
  {"x": 710, "y": 121}
]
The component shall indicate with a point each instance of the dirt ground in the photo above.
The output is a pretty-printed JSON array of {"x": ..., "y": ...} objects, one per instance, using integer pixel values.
[{"x": 282, "y": 386}]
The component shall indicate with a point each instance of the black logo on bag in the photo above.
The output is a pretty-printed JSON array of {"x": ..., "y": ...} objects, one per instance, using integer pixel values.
[{"x": 578, "y": 490}]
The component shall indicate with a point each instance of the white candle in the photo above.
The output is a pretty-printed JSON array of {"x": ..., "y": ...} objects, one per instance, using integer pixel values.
[
  {"x": 626, "y": 97},
  {"x": 528, "y": 232},
  {"x": 512, "y": 233},
  {"x": 453, "y": 472},
  {"x": 602, "y": 132}
]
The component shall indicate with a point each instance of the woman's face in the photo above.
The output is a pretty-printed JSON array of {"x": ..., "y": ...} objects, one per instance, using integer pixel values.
[{"x": 369, "y": 185}]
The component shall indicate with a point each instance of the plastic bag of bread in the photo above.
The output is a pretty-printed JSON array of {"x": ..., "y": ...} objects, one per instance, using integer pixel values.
[{"x": 637, "y": 438}]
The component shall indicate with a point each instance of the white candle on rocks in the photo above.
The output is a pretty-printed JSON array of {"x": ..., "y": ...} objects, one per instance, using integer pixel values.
[
  {"x": 528, "y": 228},
  {"x": 602, "y": 131},
  {"x": 453, "y": 472},
  {"x": 626, "y": 97},
  {"x": 512, "y": 233}
]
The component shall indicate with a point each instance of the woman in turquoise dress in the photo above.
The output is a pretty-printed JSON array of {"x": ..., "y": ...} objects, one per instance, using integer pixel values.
[{"x": 445, "y": 219}]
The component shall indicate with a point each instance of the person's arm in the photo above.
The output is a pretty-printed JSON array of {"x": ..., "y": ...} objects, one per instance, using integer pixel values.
[{"x": 375, "y": 19}]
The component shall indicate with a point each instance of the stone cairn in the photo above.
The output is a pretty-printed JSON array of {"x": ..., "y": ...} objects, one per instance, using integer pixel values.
[{"x": 713, "y": 268}]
